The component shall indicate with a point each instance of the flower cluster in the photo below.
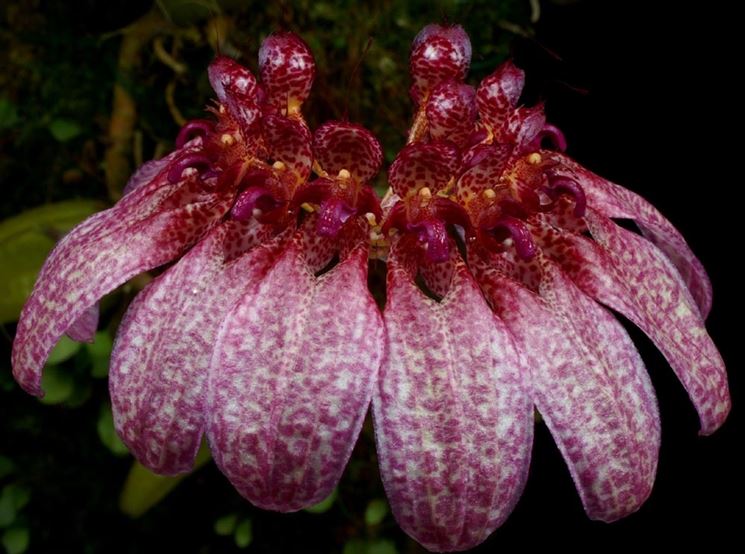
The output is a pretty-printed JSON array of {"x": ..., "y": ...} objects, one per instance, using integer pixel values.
[{"x": 264, "y": 337}]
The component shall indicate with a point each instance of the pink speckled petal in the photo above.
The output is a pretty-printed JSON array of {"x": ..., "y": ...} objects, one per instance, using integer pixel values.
[
  {"x": 629, "y": 274},
  {"x": 228, "y": 77},
  {"x": 423, "y": 165},
  {"x": 451, "y": 112},
  {"x": 147, "y": 228},
  {"x": 438, "y": 53},
  {"x": 485, "y": 172},
  {"x": 84, "y": 328},
  {"x": 287, "y": 69},
  {"x": 590, "y": 385},
  {"x": 341, "y": 145},
  {"x": 453, "y": 421},
  {"x": 498, "y": 95},
  {"x": 523, "y": 126},
  {"x": 615, "y": 201},
  {"x": 291, "y": 379},
  {"x": 289, "y": 141},
  {"x": 159, "y": 364}
]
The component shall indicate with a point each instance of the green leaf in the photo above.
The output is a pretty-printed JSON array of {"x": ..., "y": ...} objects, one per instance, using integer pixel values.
[
  {"x": 225, "y": 525},
  {"x": 64, "y": 129},
  {"x": 376, "y": 511},
  {"x": 8, "y": 114},
  {"x": 6, "y": 466},
  {"x": 143, "y": 489},
  {"x": 25, "y": 242},
  {"x": 100, "y": 353},
  {"x": 65, "y": 349},
  {"x": 16, "y": 540},
  {"x": 244, "y": 534},
  {"x": 57, "y": 384},
  {"x": 324, "y": 505},
  {"x": 107, "y": 433},
  {"x": 13, "y": 499}
]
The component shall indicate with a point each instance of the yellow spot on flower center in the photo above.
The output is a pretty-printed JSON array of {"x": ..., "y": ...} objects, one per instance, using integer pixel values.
[
  {"x": 344, "y": 174},
  {"x": 489, "y": 194},
  {"x": 227, "y": 139},
  {"x": 279, "y": 166},
  {"x": 534, "y": 158}
]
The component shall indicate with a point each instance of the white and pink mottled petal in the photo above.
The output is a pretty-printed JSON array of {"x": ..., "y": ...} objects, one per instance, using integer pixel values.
[
  {"x": 590, "y": 385},
  {"x": 615, "y": 201},
  {"x": 453, "y": 420},
  {"x": 103, "y": 252},
  {"x": 84, "y": 328},
  {"x": 160, "y": 360},
  {"x": 291, "y": 380},
  {"x": 631, "y": 275}
]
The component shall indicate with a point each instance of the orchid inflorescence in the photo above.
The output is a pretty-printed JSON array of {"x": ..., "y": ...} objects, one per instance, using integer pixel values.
[{"x": 502, "y": 258}]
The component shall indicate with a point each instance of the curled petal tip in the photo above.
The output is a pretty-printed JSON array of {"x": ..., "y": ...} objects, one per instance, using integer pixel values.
[
  {"x": 340, "y": 145},
  {"x": 229, "y": 78},
  {"x": 439, "y": 53},
  {"x": 287, "y": 69}
]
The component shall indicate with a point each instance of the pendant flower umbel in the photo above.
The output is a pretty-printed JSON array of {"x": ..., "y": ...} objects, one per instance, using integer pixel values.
[{"x": 503, "y": 257}]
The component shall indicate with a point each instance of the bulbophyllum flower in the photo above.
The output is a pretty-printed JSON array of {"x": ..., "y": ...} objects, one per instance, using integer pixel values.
[
  {"x": 503, "y": 259},
  {"x": 262, "y": 335}
]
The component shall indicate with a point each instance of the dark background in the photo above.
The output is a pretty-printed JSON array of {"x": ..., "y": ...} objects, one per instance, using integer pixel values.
[{"x": 645, "y": 93}]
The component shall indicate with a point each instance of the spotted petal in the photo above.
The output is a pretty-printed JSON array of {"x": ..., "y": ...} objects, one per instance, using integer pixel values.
[
  {"x": 438, "y": 53},
  {"x": 590, "y": 385},
  {"x": 453, "y": 421},
  {"x": 159, "y": 364},
  {"x": 287, "y": 69},
  {"x": 84, "y": 328},
  {"x": 498, "y": 94},
  {"x": 629, "y": 274},
  {"x": 341, "y": 145},
  {"x": 617, "y": 202},
  {"x": 451, "y": 112},
  {"x": 147, "y": 228},
  {"x": 423, "y": 165},
  {"x": 289, "y": 141},
  {"x": 291, "y": 380}
]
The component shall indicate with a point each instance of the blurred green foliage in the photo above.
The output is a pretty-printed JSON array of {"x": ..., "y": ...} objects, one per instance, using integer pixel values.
[{"x": 63, "y": 470}]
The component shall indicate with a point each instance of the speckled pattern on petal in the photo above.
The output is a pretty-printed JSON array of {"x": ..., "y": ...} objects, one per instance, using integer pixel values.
[
  {"x": 84, "y": 328},
  {"x": 590, "y": 385},
  {"x": 632, "y": 276},
  {"x": 100, "y": 254},
  {"x": 287, "y": 68},
  {"x": 291, "y": 380},
  {"x": 341, "y": 145},
  {"x": 451, "y": 112},
  {"x": 453, "y": 421},
  {"x": 289, "y": 141},
  {"x": 423, "y": 165},
  {"x": 617, "y": 202},
  {"x": 438, "y": 53},
  {"x": 498, "y": 94},
  {"x": 160, "y": 360}
]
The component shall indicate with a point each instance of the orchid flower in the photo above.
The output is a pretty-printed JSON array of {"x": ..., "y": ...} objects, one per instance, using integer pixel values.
[{"x": 502, "y": 257}]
